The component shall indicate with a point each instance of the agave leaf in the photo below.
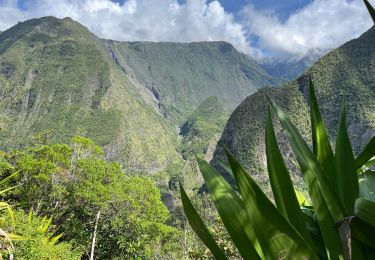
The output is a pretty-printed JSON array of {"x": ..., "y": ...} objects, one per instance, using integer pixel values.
[
  {"x": 314, "y": 230},
  {"x": 367, "y": 154},
  {"x": 370, "y": 9},
  {"x": 227, "y": 168},
  {"x": 302, "y": 201},
  {"x": 321, "y": 145},
  {"x": 348, "y": 180},
  {"x": 363, "y": 232},
  {"x": 232, "y": 212},
  {"x": 282, "y": 186},
  {"x": 367, "y": 185},
  {"x": 365, "y": 210},
  {"x": 325, "y": 201},
  {"x": 198, "y": 226},
  {"x": 276, "y": 235}
]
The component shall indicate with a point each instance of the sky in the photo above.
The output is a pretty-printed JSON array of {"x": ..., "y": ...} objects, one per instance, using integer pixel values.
[{"x": 285, "y": 29}]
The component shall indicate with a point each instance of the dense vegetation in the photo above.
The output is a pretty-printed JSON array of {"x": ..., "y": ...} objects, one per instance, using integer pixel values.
[{"x": 72, "y": 183}]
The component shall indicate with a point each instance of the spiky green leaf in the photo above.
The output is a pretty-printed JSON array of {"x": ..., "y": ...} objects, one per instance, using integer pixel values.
[
  {"x": 232, "y": 212},
  {"x": 282, "y": 186},
  {"x": 325, "y": 201},
  {"x": 347, "y": 180},
  {"x": 367, "y": 154},
  {"x": 199, "y": 227},
  {"x": 321, "y": 145},
  {"x": 365, "y": 210},
  {"x": 370, "y": 9},
  {"x": 276, "y": 235}
]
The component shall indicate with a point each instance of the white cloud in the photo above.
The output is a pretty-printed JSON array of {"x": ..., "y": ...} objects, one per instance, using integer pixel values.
[
  {"x": 323, "y": 24},
  {"x": 147, "y": 20}
]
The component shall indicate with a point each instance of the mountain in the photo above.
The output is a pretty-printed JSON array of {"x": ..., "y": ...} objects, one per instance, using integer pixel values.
[
  {"x": 347, "y": 71},
  {"x": 203, "y": 128},
  {"x": 182, "y": 75},
  {"x": 58, "y": 80},
  {"x": 289, "y": 69},
  {"x": 56, "y": 76}
]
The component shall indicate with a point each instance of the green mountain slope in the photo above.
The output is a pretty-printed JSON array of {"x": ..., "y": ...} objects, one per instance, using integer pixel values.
[
  {"x": 57, "y": 80},
  {"x": 203, "y": 128},
  {"x": 57, "y": 76},
  {"x": 348, "y": 70},
  {"x": 183, "y": 75}
]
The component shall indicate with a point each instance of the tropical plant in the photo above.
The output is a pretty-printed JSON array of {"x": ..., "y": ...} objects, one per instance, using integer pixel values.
[
  {"x": 39, "y": 239},
  {"x": 341, "y": 221},
  {"x": 339, "y": 224}
]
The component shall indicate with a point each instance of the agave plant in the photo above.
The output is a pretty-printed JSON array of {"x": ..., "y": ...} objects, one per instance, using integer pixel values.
[{"x": 340, "y": 224}]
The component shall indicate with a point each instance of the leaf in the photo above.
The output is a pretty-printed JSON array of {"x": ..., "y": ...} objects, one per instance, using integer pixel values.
[
  {"x": 227, "y": 168},
  {"x": 302, "y": 201},
  {"x": 347, "y": 180},
  {"x": 321, "y": 145},
  {"x": 367, "y": 185},
  {"x": 8, "y": 189},
  {"x": 314, "y": 230},
  {"x": 55, "y": 239},
  {"x": 367, "y": 154},
  {"x": 325, "y": 201},
  {"x": 198, "y": 226},
  {"x": 4, "y": 205},
  {"x": 282, "y": 186},
  {"x": 45, "y": 224},
  {"x": 7, "y": 179},
  {"x": 370, "y": 9},
  {"x": 363, "y": 232},
  {"x": 232, "y": 212},
  {"x": 276, "y": 235},
  {"x": 365, "y": 210}
]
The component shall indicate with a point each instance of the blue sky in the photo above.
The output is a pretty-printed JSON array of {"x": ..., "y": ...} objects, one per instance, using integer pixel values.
[{"x": 290, "y": 29}]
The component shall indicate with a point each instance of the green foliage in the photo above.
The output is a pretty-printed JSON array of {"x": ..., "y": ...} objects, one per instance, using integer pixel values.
[
  {"x": 59, "y": 81},
  {"x": 39, "y": 240},
  {"x": 260, "y": 229},
  {"x": 74, "y": 182}
]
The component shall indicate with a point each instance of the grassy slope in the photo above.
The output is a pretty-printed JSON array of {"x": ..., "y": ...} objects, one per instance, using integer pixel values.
[
  {"x": 349, "y": 68},
  {"x": 183, "y": 75},
  {"x": 55, "y": 74}
]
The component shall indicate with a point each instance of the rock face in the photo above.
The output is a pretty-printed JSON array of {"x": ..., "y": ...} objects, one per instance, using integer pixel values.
[
  {"x": 347, "y": 71},
  {"x": 58, "y": 80}
]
